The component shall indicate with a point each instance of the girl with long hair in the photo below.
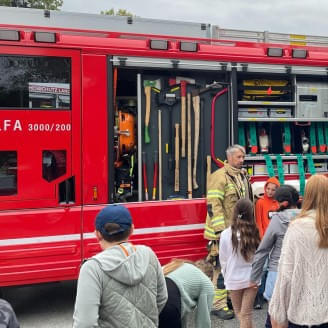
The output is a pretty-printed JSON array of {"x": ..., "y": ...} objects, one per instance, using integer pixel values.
[
  {"x": 300, "y": 296},
  {"x": 188, "y": 289},
  {"x": 238, "y": 244}
]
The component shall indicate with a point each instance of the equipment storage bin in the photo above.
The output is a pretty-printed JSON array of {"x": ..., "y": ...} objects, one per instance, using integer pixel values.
[
  {"x": 312, "y": 99},
  {"x": 292, "y": 167},
  {"x": 280, "y": 112},
  {"x": 261, "y": 169},
  {"x": 252, "y": 112},
  {"x": 320, "y": 166}
]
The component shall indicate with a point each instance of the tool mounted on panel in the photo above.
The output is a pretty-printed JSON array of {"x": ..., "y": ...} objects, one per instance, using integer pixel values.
[
  {"x": 144, "y": 173},
  {"x": 148, "y": 86},
  {"x": 177, "y": 160},
  {"x": 182, "y": 81},
  {"x": 167, "y": 100},
  {"x": 155, "y": 174},
  {"x": 160, "y": 190},
  {"x": 196, "y": 106},
  {"x": 189, "y": 145},
  {"x": 217, "y": 95}
]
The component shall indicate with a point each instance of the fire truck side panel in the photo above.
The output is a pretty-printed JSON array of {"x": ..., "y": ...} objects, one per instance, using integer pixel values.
[
  {"x": 171, "y": 228},
  {"x": 39, "y": 245},
  {"x": 40, "y": 193},
  {"x": 94, "y": 127}
]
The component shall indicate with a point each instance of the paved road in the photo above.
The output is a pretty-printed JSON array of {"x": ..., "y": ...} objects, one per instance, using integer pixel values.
[{"x": 51, "y": 306}]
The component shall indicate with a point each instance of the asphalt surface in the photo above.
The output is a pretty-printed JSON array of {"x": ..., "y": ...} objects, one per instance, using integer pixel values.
[{"x": 51, "y": 306}]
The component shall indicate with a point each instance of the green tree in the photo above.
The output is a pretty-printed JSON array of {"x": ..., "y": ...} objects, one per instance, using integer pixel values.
[
  {"x": 119, "y": 12},
  {"x": 7, "y": 3},
  {"x": 39, "y": 4},
  {"x": 45, "y": 4}
]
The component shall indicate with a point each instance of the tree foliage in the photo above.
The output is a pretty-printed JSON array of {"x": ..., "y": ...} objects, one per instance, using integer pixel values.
[
  {"x": 119, "y": 12},
  {"x": 38, "y": 4},
  {"x": 6, "y": 3},
  {"x": 46, "y": 4}
]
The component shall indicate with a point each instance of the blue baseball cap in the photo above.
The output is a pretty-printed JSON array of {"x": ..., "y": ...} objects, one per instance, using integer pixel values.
[{"x": 113, "y": 214}]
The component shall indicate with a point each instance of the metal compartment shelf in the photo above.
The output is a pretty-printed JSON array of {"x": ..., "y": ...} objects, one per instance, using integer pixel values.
[
  {"x": 266, "y": 103},
  {"x": 282, "y": 119},
  {"x": 284, "y": 157}
]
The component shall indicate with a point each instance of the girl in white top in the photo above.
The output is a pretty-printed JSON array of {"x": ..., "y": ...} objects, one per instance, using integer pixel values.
[
  {"x": 300, "y": 296},
  {"x": 238, "y": 244}
]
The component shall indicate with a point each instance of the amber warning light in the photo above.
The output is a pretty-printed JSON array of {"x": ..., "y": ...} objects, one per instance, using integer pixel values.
[{"x": 95, "y": 193}]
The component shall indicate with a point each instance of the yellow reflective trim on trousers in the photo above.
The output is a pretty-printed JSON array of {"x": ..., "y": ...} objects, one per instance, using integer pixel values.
[
  {"x": 209, "y": 232},
  {"x": 220, "y": 297},
  {"x": 217, "y": 220},
  {"x": 220, "y": 291}
]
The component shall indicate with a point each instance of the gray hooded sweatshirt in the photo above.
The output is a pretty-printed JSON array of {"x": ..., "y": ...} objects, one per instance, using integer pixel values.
[
  {"x": 120, "y": 287},
  {"x": 271, "y": 243},
  {"x": 7, "y": 315}
]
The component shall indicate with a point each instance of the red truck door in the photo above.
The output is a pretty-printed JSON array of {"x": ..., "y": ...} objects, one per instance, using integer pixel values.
[{"x": 40, "y": 193}]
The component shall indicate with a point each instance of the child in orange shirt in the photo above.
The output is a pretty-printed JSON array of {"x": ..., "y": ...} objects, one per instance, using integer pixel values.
[
  {"x": 266, "y": 204},
  {"x": 262, "y": 208}
]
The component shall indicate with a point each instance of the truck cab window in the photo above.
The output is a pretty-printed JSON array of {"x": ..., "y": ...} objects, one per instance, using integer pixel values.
[
  {"x": 35, "y": 82},
  {"x": 53, "y": 164},
  {"x": 8, "y": 173}
]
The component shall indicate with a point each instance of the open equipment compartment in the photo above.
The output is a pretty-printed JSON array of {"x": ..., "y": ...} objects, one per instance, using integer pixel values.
[
  {"x": 152, "y": 159},
  {"x": 282, "y": 122}
]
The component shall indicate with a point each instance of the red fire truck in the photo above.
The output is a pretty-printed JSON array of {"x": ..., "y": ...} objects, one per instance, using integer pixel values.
[{"x": 97, "y": 110}]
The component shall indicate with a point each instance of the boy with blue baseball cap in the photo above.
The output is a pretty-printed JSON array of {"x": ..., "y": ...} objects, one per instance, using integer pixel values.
[{"x": 122, "y": 286}]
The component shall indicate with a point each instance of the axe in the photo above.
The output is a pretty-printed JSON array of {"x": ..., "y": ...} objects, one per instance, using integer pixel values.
[
  {"x": 183, "y": 81},
  {"x": 148, "y": 85},
  {"x": 189, "y": 145},
  {"x": 177, "y": 160}
]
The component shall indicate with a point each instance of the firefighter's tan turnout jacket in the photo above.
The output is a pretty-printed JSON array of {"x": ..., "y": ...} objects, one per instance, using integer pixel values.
[{"x": 225, "y": 187}]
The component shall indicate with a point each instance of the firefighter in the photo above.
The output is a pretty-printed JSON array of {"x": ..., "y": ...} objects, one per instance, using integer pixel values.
[{"x": 224, "y": 188}]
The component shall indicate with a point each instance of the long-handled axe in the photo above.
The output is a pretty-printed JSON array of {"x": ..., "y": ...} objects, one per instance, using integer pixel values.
[
  {"x": 183, "y": 81},
  {"x": 196, "y": 106},
  {"x": 148, "y": 85},
  {"x": 189, "y": 145},
  {"x": 177, "y": 160}
]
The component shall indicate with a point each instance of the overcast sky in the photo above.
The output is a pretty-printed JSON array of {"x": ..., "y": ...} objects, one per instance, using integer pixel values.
[{"x": 287, "y": 16}]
